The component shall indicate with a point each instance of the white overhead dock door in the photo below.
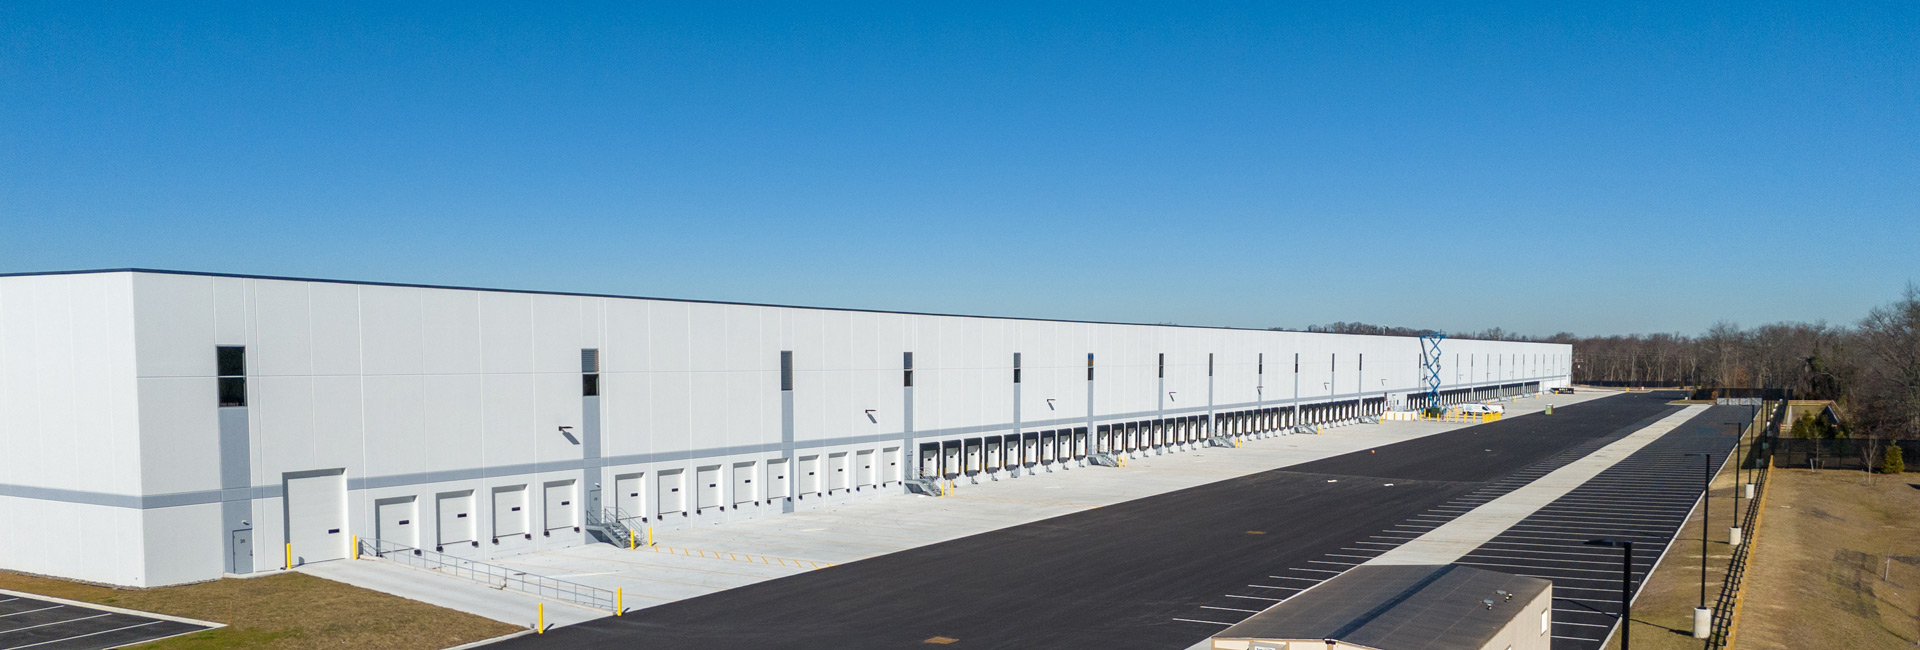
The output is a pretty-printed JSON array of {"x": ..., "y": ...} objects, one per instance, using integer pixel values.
[
  {"x": 709, "y": 477},
  {"x": 562, "y": 505},
  {"x": 397, "y": 520},
  {"x": 840, "y": 477},
  {"x": 745, "y": 490},
  {"x": 456, "y": 518},
  {"x": 672, "y": 491},
  {"x": 510, "y": 511},
  {"x": 630, "y": 495},
  {"x": 869, "y": 474},
  {"x": 778, "y": 481},
  {"x": 317, "y": 515}
]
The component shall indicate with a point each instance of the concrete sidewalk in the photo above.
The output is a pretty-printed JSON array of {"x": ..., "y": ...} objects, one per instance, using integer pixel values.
[{"x": 506, "y": 606}]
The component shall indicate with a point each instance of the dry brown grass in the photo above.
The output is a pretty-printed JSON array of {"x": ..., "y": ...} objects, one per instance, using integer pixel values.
[
  {"x": 289, "y": 611},
  {"x": 1836, "y": 564}
]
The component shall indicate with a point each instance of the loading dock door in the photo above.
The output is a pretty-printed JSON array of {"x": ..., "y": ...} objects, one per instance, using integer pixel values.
[
  {"x": 745, "y": 490},
  {"x": 709, "y": 488},
  {"x": 630, "y": 495},
  {"x": 777, "y": 483},
  {"x": 1129, "y": 441},
  {"x": 1030, "y": 449},
  {"x": 1063, "y": 445},
  {"x": 562, "y": 505},
  {"x": 1010, "y": 449},
  {"x": 892, "y": 457},
  {"x": 456, "y": 517},
  {"x": 973, "y": 457},
  {"x": 1103, "y": 438},
  {"x": 930, "y": 460},
  {"x": 863, "y": 463},
  {"x": 316, "y": 511},
  {"x": 1080, "y": 443},
  {"x": 396, "y": 521},
  {"x": 839, "y": 479},
  {"x": 950, "y": 459},
  {"x": 1046, "y": 447},
  {"x": 672, "y": 491},
  {"x": 992, "y": 454},
  {"x": 509, "y": 511},
  {"x": 809, "y": 475}
]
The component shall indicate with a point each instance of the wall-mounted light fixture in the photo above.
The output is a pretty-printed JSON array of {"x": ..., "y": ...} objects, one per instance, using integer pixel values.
[
  {"x": 870, "y": 417},
  {"x": 1049, "y": 403},
  {"x": 1170, "y": 396}
]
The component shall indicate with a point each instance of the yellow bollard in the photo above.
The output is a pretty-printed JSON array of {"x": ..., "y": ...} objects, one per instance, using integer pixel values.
[
  {"x": 649, "y": 536},
  {"x": 356, "y": 547},
  {"x": 540, "y": 625},
  {"x": 619, "y": 600},
  {"x": 289, "y": 555}
]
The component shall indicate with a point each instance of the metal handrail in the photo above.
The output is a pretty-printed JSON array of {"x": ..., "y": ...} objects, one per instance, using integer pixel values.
[
  {"x": 613, "y": 520},
  {"x": 491, "y": 575}
]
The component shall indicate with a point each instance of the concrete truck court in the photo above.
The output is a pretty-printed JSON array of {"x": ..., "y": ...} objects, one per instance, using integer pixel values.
[{"x": 1126, "y": 575}]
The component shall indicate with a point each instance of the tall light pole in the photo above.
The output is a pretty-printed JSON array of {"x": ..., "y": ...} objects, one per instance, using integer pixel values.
[
  {"x": 1703, "y": 617},
  {"x": 1626, "y": 585},
  {"x": 1738, "y": 439}
]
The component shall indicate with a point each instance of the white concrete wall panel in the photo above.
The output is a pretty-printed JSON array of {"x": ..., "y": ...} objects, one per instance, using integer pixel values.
[
  {"x": 282, "y": 412},
  {"x": 450, "y": 332},
  {"x": 506, "y": 333},
  {"x": 179, "y": 439},
  {"x": 453, "y": 417},
  {"x": 176, "y": 314},
  {"x": 336, "y": 329},
  {"x": 392, "y": 326},
  {"x": 395, "y": 416},
  {"x": 283, "y": 330}
]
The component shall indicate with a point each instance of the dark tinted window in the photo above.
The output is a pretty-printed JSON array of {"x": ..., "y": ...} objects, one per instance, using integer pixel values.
[
  {"x": 231, "y": 361},
  {"x": 786, "y": 370},
  {"x": 233, "y": 391}
]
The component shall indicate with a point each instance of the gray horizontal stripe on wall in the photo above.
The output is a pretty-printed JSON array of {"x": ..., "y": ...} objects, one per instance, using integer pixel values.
[{"x": 177, "y": 499}]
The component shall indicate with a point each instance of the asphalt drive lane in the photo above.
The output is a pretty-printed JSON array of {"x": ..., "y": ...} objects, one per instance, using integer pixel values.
[{"x": 1112, "y": 577}]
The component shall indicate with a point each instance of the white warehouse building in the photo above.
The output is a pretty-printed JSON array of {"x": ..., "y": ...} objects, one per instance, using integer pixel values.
[{"x": 161, "y": 427}]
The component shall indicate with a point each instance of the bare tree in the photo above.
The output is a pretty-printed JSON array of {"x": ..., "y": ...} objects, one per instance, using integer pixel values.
[
  {"x": 1889, "y": 380},
  {"x": 1869, "y": 450}
]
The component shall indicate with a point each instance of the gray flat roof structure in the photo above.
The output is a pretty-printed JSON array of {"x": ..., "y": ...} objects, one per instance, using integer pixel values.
[{"x": 1389, "y": 607}]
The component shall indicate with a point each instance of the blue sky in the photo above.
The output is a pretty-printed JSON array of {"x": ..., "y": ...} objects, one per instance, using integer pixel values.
[{"x": 1587, "y": 167}]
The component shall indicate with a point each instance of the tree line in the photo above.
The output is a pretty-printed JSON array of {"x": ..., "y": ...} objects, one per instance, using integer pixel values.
[{"x": 1870, "y": 367}]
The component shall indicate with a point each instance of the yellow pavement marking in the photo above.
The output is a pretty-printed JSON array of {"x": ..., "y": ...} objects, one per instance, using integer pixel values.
[
  {"x": 1029, "y": 502},
  {"x": 742, "y": 557}
]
